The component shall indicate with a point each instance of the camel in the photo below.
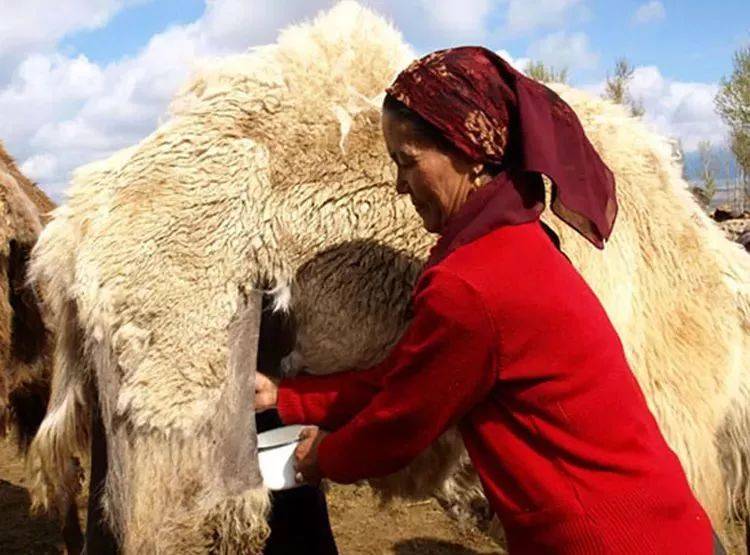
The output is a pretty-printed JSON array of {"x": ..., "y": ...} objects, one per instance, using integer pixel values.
[
  {"x": 270, "y": 177},
  {"x": 24, "y": 353},
  {"x": 25, "y": 343}
]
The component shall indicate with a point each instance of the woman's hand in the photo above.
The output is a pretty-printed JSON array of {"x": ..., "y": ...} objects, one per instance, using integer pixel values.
[
  {"x": 266, "y": 392},
  {"x": 306, "y": 455}
]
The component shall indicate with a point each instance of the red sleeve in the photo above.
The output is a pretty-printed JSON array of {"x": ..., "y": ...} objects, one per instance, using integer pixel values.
[
  {"x": 444, "y": 365},
  {"x": 328, "y": 401}
]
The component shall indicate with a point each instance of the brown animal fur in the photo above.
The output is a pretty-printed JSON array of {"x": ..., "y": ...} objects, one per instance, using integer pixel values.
[{"x": 24, "y": 345}]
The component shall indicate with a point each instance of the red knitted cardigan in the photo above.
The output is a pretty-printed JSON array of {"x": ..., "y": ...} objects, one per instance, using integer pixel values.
[{"x": 509, "y": 343}]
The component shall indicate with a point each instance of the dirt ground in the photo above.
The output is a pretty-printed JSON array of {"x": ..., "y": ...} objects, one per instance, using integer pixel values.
[
  {"x": 19, "y": 532},
  {"x": 361, "y": 527},
  {"x": 358, "y": 523}
]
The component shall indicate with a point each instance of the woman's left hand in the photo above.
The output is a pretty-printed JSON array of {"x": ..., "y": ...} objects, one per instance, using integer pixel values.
[{"x": 306, "y": 455}]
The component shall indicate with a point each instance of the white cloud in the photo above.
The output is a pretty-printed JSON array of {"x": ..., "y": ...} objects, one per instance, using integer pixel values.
[
  {"x": 42, "y": 89},
  {"x": 41, "y": 167},
  {"x": 518, "y": 63},
  {"x": 677, "y": 109},
  {"x": 524, "y": 16},
  {"x": 650, "y": 12},
  {"x": 65, "y": 112},
  {"x": 233, "y": 25},
  {"x": 467, "y": 18},
  {"x": 59, "y": 112},
  {"x": 37, "y": 25},
  {"x": 564, "y": 50}
]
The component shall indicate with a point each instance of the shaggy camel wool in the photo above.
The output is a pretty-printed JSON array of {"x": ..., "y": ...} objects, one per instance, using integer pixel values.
[
  {"x": 24, "y": 342},
  {"x": 271, "y": 174}
]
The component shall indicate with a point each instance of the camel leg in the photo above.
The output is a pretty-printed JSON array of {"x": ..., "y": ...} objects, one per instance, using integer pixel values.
[
  {"x": 99, "y": 537},
  {"x": 299, "y": 517},
  {"x": 71, "y": 531}
]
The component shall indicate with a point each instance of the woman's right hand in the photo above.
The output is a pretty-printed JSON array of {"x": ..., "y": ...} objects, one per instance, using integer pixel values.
[{"x": 266, "y": 392}]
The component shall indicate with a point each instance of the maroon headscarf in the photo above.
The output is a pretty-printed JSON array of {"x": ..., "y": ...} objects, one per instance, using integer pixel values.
[{"x": 495, "y": 114}]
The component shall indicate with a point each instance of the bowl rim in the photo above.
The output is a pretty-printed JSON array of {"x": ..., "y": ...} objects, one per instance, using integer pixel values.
[{"x": 278, "y": 437}]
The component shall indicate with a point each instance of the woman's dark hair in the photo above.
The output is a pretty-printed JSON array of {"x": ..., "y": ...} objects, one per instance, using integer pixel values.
[
  {"x": 425, "y": 129},
  {"x": 420, "y": 125}
]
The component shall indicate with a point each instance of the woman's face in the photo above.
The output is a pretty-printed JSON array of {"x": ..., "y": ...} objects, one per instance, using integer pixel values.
[{"x": 438, "y": 182}]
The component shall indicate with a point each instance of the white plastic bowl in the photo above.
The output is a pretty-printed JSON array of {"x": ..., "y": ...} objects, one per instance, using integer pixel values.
[{"x": 276, "y": 457}]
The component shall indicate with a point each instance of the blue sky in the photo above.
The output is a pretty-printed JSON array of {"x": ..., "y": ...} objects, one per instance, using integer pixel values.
[
  {"x": 694, "y": 41},
  {"x": 130, "y": 30},
  {"x": 80, "y": 79}
]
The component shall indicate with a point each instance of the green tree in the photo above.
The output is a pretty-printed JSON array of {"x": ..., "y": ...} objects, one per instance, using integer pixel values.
[
  {"x": 708, "y": 169},
  {"x": 617, "y": 87},
  {"x": 733, "y": 104},
  {"x": 545, "y": 73}
]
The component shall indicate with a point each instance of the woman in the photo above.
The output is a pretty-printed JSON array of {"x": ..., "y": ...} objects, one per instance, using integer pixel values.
[{"x": 507, "y": 341}]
